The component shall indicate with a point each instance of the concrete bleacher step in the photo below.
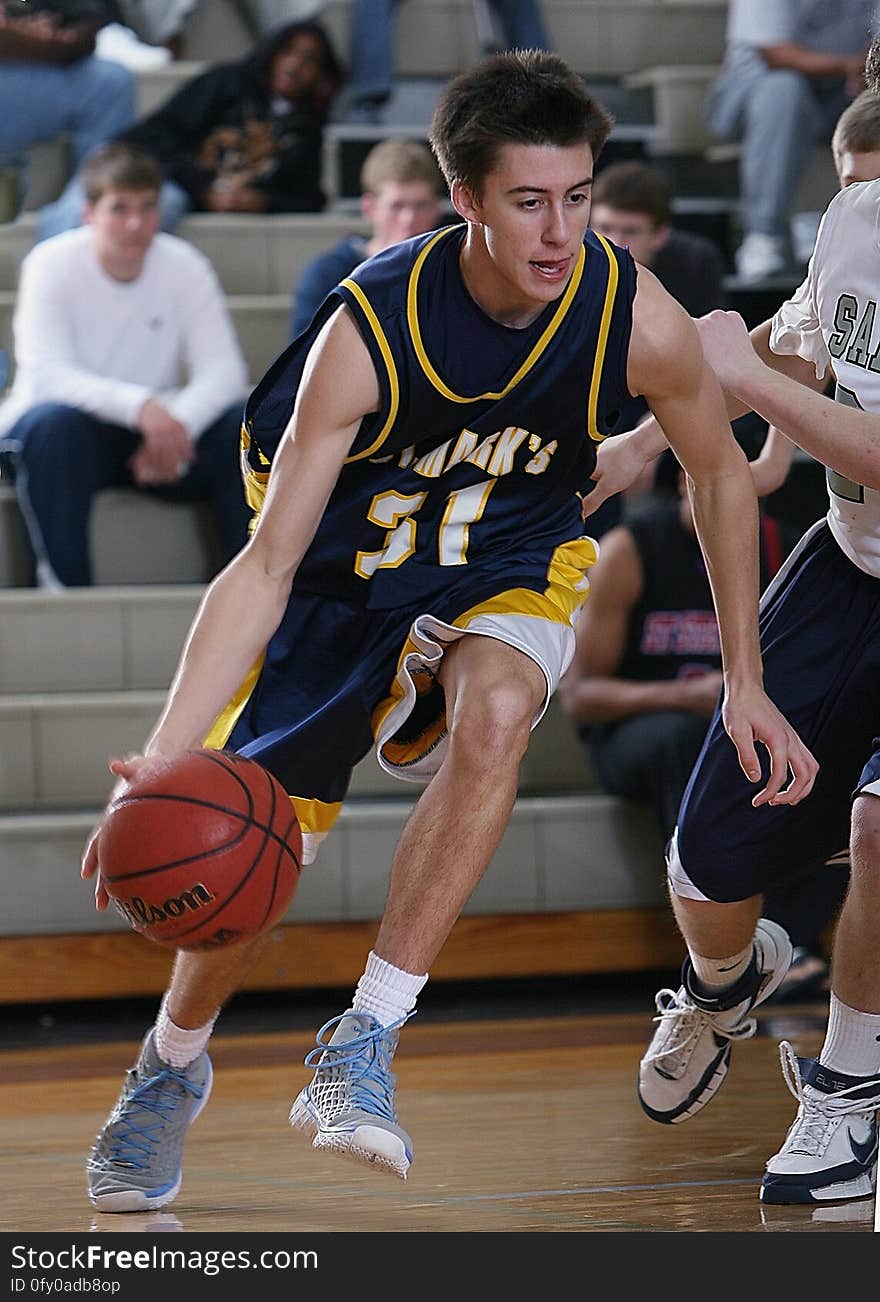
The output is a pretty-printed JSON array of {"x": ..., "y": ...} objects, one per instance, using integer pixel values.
[
  {"x": 134, "y": 538},
  {"x": 541, "y": 865},
  {"x": 251, "y": 254},
  {"x": 54, "y": 745},
  {"x": 114, "y": 639}
]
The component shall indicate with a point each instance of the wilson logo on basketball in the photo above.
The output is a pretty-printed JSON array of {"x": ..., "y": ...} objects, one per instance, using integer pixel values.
[{"x": 140, "y": 914}]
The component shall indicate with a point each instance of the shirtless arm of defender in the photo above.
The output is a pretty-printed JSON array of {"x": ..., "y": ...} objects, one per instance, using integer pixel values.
[
  {"x": 667, "y": 366},
  {"x": 221, "y": 646}
]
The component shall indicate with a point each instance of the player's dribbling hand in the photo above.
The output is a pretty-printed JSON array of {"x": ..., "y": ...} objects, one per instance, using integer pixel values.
[
  {"x": 752, "y": 717},
  {"x": 125, "y": 770}
]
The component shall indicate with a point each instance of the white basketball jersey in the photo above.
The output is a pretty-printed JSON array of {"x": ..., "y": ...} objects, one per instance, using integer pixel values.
[{"x": 831, "y": 320}]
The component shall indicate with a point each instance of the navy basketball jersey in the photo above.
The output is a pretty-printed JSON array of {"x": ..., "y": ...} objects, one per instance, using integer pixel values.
[{"x": 485, "y": 437}]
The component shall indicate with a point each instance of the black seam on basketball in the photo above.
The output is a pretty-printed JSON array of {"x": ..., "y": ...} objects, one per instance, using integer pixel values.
[
  {"x": 248, "y": 820},
  {"x": 222, "y": 759},
  {"x": 209, "y": 917}
]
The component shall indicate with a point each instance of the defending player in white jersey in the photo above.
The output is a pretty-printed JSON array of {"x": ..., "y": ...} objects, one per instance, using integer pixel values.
[{"x": 820, "y": 637}]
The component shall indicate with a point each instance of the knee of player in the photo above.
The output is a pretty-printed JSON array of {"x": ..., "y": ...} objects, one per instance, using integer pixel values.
[
  {"x": 865, "y": 844},
  {"x": 491, "y": 728}
]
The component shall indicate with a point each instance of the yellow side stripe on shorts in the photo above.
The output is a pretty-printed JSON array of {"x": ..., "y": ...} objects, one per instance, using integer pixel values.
[
  {"x": 315, "y": 816},
  {"x": 221, "y": 729}
]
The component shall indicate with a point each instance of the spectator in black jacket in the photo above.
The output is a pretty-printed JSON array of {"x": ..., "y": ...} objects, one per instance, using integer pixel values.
[{"x": 245, "y": 136}]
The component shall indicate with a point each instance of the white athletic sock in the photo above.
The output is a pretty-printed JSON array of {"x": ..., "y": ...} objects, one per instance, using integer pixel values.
[
  {"x": 715, "y": 974},
  {"x": 852, "y": 1041},
  {"x": 177, "y": 1046},
  {"x": 386, "y": 991}
]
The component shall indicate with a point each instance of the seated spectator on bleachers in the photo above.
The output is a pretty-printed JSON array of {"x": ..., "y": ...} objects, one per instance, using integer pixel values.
[
  {"x": 646, "y": 676},
  {"x": 372, "y": 45},
  {"x": 128, "y": 372},
  {"x": 243, "y": 137},
  {"x": 401, "y": 197},
  {"x": 790, "y": 68},
  {"x": 632, "y": 206},
  {"x": 53, "y": 86}
]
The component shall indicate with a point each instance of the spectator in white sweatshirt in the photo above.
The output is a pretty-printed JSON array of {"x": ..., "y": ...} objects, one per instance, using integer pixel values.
[{"x": 127, "y": 371}]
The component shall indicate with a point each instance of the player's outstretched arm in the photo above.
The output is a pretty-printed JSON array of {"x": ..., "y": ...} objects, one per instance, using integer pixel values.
[
  {"x": 843, "y": 438},
  {"x": 243, "y": 605},
  {"x": 666, "y": 364}
]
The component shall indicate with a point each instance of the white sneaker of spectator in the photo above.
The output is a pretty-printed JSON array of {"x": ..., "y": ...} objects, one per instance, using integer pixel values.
[
  {"x": 760, "y": 256},
  {"x": 120, "y": 45}
]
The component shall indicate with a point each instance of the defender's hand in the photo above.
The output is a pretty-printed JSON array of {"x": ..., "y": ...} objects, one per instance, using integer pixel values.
[
  {"x": 752, "y": 717},
  {"x": 619, "y": 462},
  {"x": 728, "y": 349}
]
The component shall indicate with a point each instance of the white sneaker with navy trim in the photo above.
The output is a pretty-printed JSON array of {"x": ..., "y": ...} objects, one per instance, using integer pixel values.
[
  {"x": 688, "y": 1057},
  {"x": 830, "y": 1151}
]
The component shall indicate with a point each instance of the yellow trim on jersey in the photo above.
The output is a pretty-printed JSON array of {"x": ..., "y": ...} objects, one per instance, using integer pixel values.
[
  {"x": 602, "y": 341},
  {"x": 221, "y": 729},
  {"x": 388, "y": 359},
  {"x": 539, "y": 348},
  {"x": 315, "y": 815},
  {"x": 255, "y": 481}
]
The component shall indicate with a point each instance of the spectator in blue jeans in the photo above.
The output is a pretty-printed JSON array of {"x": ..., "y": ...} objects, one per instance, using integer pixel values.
[
  {"x": 128, "y": 372},
  {"x": 51, "y": 84},
  {"x": 372, "y": 46},
  {"x": 790, "y": 69}
]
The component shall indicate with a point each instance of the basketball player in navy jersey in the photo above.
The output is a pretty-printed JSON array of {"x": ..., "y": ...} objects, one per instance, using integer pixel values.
[
  {"x": 416, "y": 460},
  {"x": 820, "y": 634}
]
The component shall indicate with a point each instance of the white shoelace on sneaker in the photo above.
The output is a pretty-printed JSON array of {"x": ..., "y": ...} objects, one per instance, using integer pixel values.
[
  {"x": 684, "y": 1023},
  {"x": 818, "y": 1114}
]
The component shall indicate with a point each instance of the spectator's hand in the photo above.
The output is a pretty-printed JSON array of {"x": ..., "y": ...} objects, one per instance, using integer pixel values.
[
  {"x": 700, "y": 693},
  {"x": 167, "y": 450},
  {"x": 728, "y": 348},
  {"x": 234, "y": 198},
  {"x": 125, "y": 770}
]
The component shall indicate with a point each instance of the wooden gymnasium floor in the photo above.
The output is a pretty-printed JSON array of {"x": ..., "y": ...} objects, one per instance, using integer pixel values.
[{"x": 521, "y": 1105}]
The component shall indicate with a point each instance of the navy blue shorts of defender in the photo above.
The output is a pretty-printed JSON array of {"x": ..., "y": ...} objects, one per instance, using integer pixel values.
[{"x": 820, "y": 635}]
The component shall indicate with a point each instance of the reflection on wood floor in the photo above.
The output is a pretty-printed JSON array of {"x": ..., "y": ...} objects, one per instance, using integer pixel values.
[{"x": 527, "y": 1126}]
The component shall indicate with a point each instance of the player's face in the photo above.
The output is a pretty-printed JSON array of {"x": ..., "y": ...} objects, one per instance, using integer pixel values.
[
  {"x": 630, "y": 230},
  {"x": 124, "y": 223},
  {"x": 852, "y": 167},
  {"x": 400, "y": 210},
  {"x": 528, "y": 223}
]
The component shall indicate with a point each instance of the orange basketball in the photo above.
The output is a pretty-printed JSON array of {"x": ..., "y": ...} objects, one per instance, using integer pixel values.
[{"x": 203, "y": 850}]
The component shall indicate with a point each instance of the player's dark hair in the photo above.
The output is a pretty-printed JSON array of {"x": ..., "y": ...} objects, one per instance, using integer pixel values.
[
  {"x": 117, "y": 166},
  {"x": 523, "y": 97}
]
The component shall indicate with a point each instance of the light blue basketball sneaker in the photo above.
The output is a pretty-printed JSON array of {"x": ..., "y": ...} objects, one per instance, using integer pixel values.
[
  {"x": 136, "y": 1162},
  {"x": 349, "y": 1105}
]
